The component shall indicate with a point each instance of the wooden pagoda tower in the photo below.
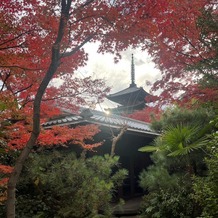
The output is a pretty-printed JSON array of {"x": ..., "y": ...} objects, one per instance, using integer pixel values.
[{"x": 129, "y": 99}]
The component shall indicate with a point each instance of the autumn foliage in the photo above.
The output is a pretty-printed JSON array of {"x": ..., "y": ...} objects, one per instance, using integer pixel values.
[
  {"x": 28, "y": 31},
  {"x": 42, "y": 42},
  {"x": 168, "y": 29},
  {"x": 148, "y": 114},
  {"x": 181, "y": 37},
  {"x": 182, "y": 44}
]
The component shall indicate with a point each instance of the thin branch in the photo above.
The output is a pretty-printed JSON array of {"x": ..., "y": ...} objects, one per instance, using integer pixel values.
[
  {"x": 19, "y": 67},
  {"x": 115, "y": 139},
  {"x": 18, "y": 36},
  {"x": 15, "y": 46},
  {"x": 86, "y": 4},
  {"x": 23, "y": 89},
  {"x": 67, "y": 54}
]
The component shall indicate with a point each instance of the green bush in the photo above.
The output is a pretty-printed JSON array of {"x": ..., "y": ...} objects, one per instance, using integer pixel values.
[
  {"x": 60, "y": 185},
  {"x": 206, "y": 188},
  {"x": 183, "y": 183},
  {"x": 169, "y": 193}
]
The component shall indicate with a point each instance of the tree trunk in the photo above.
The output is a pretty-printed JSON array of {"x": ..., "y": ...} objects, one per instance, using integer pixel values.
[
  {"x": 55, "y": 58},
  {"x": 11, "y": 195},
  {"x": 115, "y": 139},
  {"x": 13, "y": 179}
]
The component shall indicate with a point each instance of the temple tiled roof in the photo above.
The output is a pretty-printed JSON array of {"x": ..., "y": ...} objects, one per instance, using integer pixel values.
[
  {"x": 128, "y": 90},
  {"x": 88, "y": 116}
]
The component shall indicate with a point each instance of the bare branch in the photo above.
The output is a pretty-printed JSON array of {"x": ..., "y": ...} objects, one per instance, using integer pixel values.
[{"x": 115, "y": 139}]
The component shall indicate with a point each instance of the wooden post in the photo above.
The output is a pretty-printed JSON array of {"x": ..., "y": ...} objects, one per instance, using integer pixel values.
[{"x": 132, "y": 177}]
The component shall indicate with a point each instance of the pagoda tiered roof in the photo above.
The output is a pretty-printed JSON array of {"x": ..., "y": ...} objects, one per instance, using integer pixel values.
[
  {"x": 129, "y": 95},
  {"x": 129, "y": 99}
]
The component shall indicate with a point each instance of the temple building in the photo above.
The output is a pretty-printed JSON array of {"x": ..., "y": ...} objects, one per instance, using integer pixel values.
[
  {"x": 137, "y": 134},
  {"x": 129, "y": 99}
]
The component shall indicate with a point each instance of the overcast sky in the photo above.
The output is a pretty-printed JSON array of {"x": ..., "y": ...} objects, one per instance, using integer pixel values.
[{"x": 118, "y": 75}]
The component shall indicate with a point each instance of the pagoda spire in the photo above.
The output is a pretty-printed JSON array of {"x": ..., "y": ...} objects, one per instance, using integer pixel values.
[{"x": 132, "y": 73}]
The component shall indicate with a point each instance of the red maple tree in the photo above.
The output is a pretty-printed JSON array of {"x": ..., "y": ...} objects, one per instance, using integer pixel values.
[
  {"x": 183, "y": 46},
  {"x": 181, "y": 37},
  {"x": 36, "y": 48}
]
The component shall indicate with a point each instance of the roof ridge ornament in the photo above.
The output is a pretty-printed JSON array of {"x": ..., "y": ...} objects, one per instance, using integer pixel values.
[{"x": 132, "y": 73}]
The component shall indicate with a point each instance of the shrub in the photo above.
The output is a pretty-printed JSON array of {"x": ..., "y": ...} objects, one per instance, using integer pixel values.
[{"x": 57, "y": 184}]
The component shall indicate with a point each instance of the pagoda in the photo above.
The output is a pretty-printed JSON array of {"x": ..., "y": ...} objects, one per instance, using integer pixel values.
[{"x": 129, "y": 99}]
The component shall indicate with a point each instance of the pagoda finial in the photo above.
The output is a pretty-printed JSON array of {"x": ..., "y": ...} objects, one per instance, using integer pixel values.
[{"x": 132, "y": 73}]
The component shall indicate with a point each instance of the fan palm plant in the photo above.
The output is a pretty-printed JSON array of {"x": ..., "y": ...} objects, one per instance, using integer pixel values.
[{"x": 179, "y": 140}]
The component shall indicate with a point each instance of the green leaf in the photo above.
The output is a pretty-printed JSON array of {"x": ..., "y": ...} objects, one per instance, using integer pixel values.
[
  {"x": 148, "y": 149},
  {"x": 180, "y": 145}
]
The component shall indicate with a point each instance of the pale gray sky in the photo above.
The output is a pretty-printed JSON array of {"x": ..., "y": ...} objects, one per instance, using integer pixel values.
[{"x": 118, "y": 75}]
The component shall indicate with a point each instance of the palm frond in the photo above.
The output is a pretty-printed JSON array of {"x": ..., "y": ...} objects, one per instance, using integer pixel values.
[{"x": 149, "y": 149}]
